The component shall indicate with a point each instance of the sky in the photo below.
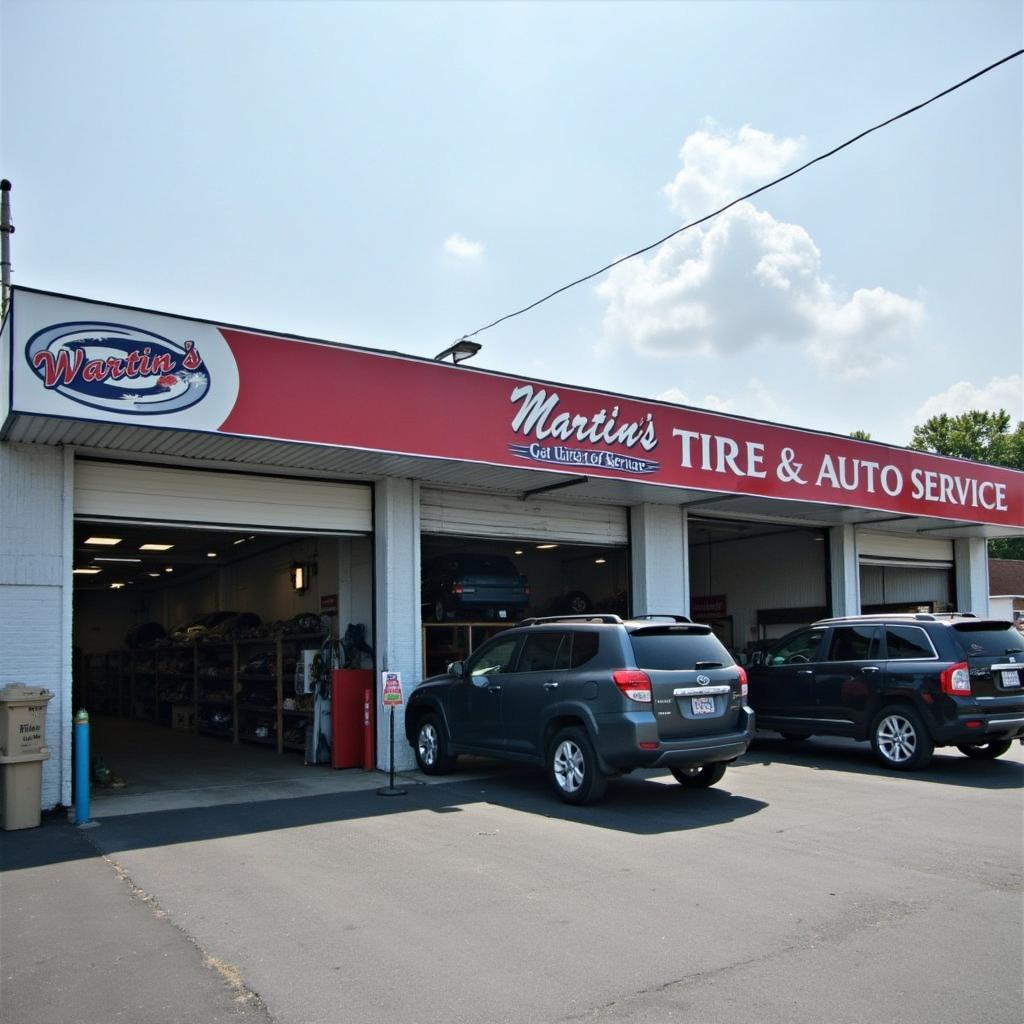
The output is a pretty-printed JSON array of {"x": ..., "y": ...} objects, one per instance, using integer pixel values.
[{"x": 398, "y": 175}]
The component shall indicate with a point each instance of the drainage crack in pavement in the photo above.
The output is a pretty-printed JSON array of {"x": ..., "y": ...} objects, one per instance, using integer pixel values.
[
  {"x": 875, "y": 915},
  {"x": 243, "y": 996}
]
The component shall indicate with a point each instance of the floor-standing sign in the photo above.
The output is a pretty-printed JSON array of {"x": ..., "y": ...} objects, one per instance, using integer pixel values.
[{"x": 391, "y": 697}]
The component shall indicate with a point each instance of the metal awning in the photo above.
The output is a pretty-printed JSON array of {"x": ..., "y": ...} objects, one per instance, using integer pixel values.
[{"x": 184, "y": 448}]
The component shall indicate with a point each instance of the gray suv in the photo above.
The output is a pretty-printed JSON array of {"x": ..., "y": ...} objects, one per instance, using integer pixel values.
[{"x": 589, "y": 697}]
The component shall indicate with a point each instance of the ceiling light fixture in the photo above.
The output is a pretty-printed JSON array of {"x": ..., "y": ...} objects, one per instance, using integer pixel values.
[
  {"x": 108, "y": 541},
  {"x": 600, "y": 561},
  {"x": 211, "y": 554},
  {"x": 169, "y": 568},
  {"x": 518, "y": 551},
  {"x": 156, "y": 574},
  {"x": 85, "y": 572},
  {"x": 155, "y": 547},
  {"x": 116, "y": 586},
  {"x": 546, "y": 547},
  {"x": 110, "y": 558}
]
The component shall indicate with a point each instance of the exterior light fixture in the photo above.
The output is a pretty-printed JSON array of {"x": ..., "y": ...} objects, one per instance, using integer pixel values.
[{"x": 462, "y": 349}]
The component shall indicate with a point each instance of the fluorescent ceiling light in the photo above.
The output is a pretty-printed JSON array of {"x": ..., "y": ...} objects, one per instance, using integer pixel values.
[
  {"x": 153, "y": 574},
  {"x": 155, "y": 547},
  {"x": 110, "y": 558},
  {"x": 169, "y": 568},
  {"x": 211, "y": 554},
  {"x": 519, "y": 551},
  {"x": 241, "y": 540},
  {"x": 600, "y": 561},
  {"x": 546, "y": 547},
  {"x": 85, "y": 572},
  {"x": 109, "y": 541},
  {"x": 116, "y": 586}
]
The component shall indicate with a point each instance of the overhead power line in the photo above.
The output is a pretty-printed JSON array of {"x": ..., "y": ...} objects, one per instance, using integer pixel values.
[{"x": 740, "y": 199}]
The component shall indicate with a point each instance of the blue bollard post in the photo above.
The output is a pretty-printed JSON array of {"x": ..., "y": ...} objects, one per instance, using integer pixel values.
[{"x": 82, "y": 768}]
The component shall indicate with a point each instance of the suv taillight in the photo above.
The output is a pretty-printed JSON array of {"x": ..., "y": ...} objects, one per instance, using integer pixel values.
[
  {"x": 636, "y": 685},
  {"x": 956, "y": 680},
  {"x": 744, "y": 686}
]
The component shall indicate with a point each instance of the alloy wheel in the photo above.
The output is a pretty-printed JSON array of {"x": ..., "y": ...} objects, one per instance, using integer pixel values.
[
  {"x": 427, "y": 743},
  {"x": 897, "y": 739},
  {"x": 569, "y": 766}
]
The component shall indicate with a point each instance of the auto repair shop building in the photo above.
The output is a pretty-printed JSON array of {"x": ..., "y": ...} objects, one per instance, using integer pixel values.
[{"x": 158, "y": 470}]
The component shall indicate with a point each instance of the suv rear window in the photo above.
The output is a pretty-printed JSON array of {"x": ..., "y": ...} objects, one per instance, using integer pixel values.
[
  {"x": 677, "y": 649},
  {"x": 988, "y": 638}
]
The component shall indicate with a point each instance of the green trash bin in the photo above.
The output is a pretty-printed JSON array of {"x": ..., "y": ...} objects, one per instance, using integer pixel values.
[{"x": 22, "y": 753}]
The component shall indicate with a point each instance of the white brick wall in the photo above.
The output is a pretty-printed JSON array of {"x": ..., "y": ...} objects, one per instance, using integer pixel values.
[{"x": 34, "y": 605}]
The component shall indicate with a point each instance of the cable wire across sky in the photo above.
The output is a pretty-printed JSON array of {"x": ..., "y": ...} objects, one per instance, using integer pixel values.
[{"x": 743, "y": 198}]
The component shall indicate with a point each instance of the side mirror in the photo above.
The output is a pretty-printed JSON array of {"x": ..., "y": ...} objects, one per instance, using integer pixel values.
[{"x": 455, "y": 668}]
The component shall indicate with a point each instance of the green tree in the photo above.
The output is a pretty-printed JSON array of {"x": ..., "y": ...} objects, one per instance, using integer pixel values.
[
  {"x": 860, "y": 435},
  {"x": 984, "y": 437}
]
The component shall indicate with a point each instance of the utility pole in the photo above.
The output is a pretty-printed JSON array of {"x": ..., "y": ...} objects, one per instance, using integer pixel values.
[{"x": 6, "y": 230}]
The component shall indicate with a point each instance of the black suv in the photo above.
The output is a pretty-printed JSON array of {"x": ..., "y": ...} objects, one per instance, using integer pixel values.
[
  {"x": 906, "y": 683},
  {"x": 589, "y": 697}
]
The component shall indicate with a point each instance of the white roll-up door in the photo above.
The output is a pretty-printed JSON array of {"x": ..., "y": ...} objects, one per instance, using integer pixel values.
[
  {"x": 460, "y": 513},
  {"x": 896, "y": 549},
  {"x": 134, "y": 491}
]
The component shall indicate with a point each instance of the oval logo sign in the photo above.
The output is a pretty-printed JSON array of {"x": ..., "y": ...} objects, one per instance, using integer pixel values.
[
  {"x": 118, "y": 368},
  {"x": 703, "y": 680}
]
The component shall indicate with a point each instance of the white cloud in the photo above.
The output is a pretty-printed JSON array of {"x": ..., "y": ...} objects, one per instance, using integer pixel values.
[
  {"x": 745, "y": 278},
  {"x": 753, "y": 399},
  {"x": 716, "y": 170},
  {"x": 999, "y": 393},
  {"x": 461, "y": 247}
]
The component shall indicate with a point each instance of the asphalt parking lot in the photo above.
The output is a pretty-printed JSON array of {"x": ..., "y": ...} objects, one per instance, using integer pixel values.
[{"x": 809, "y": 886}]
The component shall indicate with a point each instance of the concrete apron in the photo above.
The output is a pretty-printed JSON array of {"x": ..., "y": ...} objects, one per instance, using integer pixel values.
[{"x": 165, "y": 770}]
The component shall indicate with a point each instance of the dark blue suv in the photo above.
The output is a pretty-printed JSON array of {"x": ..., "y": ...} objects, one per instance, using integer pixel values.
[
  {"x": 905, "y": 683},
  {"x": 589, "y": 697}
]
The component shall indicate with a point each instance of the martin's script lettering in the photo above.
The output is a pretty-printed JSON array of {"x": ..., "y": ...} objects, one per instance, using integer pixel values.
[{"x": 536, "y": 415}]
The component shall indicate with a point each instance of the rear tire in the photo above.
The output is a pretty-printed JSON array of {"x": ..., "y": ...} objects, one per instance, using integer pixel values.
[
  {"x": 573, "y": 769},
  {"x": 900, "y": 740},
  {"x": 431, "y": 747},
  {"x": 985, "y": 751},
  {"x": 699, "y": 778}
]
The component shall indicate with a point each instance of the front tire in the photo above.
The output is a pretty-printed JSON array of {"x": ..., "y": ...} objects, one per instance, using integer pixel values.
[
  {"x": 900, "y": 740},
  {"x": 699, "y": 778},
  {"x": 985, "y": 751},
  {"x": 573, "y": 768},
  {"x": 431, "y": 747}
]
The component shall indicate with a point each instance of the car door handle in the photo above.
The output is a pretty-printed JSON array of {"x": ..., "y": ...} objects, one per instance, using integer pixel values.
[
  {"x": 870, "y": 668},
  {"x": 551, "y": 686},
  {"x": 805, "y": 671}
]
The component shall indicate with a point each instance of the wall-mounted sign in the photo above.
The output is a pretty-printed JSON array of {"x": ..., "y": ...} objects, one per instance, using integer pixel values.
[
  {"x": 76, "y": 359},
  {"x": 711, "y": 606}
]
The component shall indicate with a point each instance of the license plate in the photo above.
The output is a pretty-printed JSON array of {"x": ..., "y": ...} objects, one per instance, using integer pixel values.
[
  {"x": 703, "y": 705},
  {"x": 1011, "y": 679}
]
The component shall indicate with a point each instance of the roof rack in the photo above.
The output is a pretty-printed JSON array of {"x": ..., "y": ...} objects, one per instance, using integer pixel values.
[
  {"x": 538, "y": 621},
  {"x": 664, "y": 615}
]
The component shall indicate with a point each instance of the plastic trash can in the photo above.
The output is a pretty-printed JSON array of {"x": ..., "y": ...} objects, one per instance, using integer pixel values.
[{"x": 22, "y": 730}]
